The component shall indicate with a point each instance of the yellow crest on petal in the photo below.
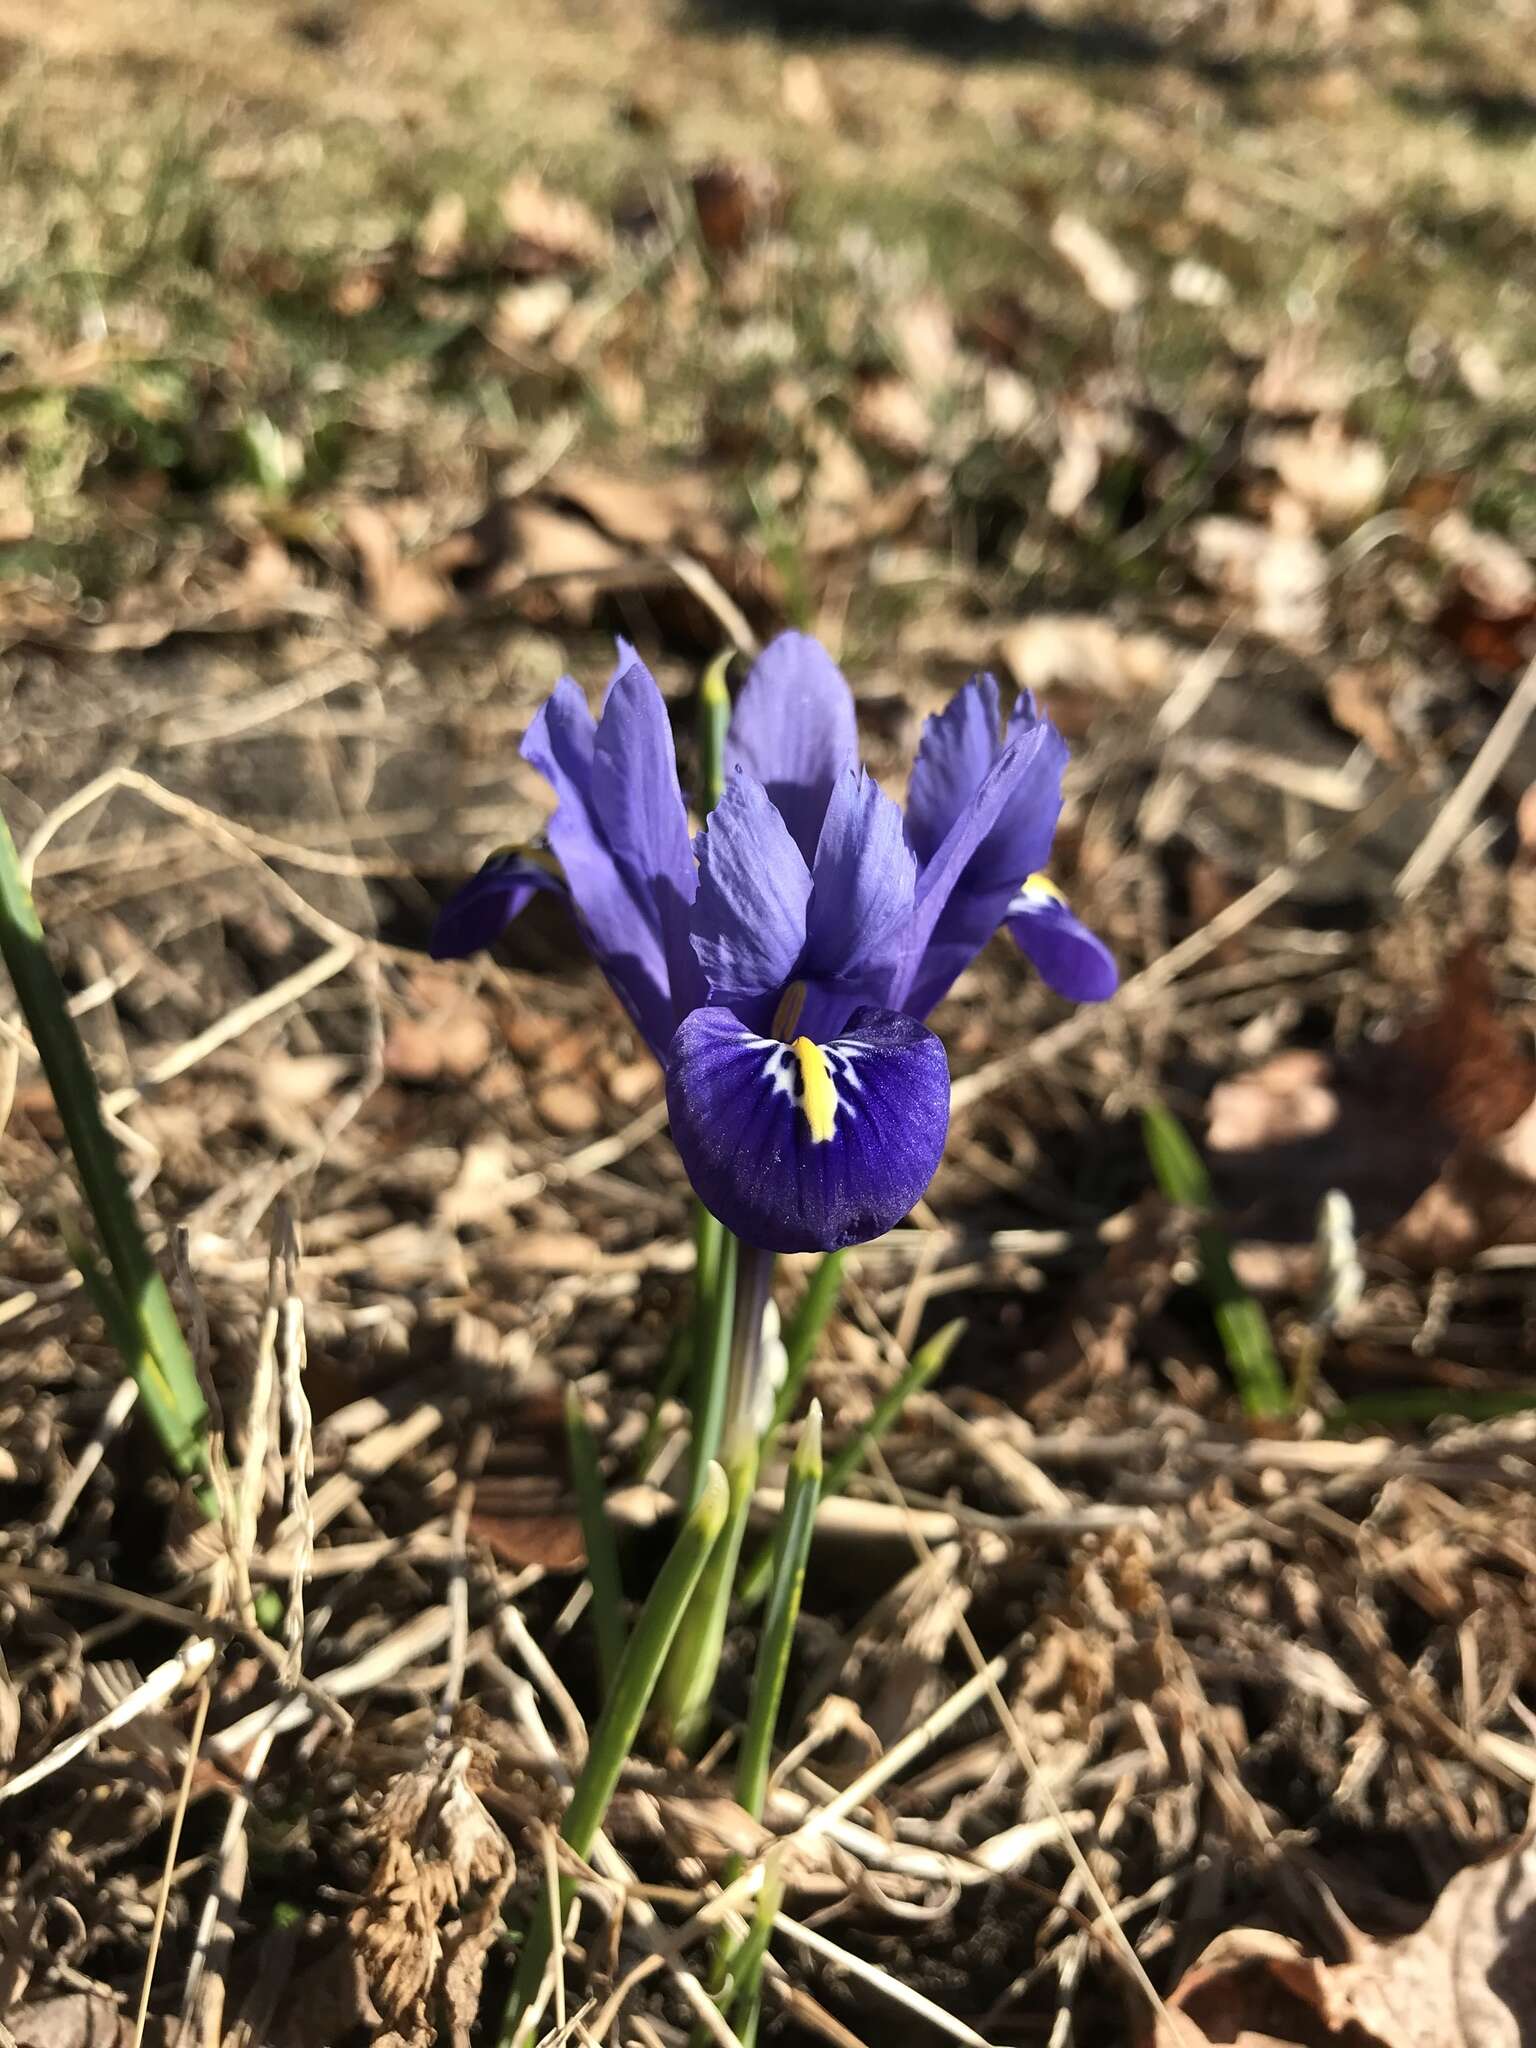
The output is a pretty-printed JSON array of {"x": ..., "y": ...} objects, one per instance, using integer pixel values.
[
  {"x": 1042, "y": 885},
  {"x": 818, "y": 1094}
]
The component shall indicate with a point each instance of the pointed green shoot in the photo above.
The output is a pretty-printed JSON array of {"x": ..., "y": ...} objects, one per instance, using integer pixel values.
[
  {"x": 791, "y": 1548},
  {"x": 614, "y": 1735},
  {"x": 158, "y": 1358},
  {"x": 925, "y": 1363},
  {"x": 688, "y": 1683},
  {"x": 747, "y": 1963},
  {"x": 1240, "y": 1322},
  {"x": 597, "y": 1532}
]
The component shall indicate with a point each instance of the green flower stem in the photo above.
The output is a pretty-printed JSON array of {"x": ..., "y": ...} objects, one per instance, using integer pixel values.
[
  {"x": 597, "y": 1532},
  {"x": 924, "y": 1364},
  {"x": 612, "y": 1739},
  {"x": 1240, "y": 1322},
  {"x": 715, "y": 1316},
  {"x": 791, "y": 1548},
  {"x": 158, "y": 1360},
  {"x": 736, "y": 1970},
  {"x": 804, "y": 1334}
]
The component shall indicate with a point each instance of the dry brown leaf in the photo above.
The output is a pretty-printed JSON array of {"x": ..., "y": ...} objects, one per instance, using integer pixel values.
[
  {"x": 1360, "y": 699},
  {"x": 78, "y": 2019},
  {"x": 551, "y": 230},
  {"x": 1084, "y": 652},
  {"x": 1492, "y": 570},
  {"x": 525, "y": 315},
  {"x": 1107, "y": 278},
  {"x": 1433, "y": 1139},
  {"x": 890, "y": 412},
  {"x": 440, "y": 235},
  {"x": 404, "y": 595},
  {"x": 1338, "y": 475},
  {"x": 803, "y": 91},
  {"x": 923, "y": 331},
  {"x": 1291, "y": 381},
  {"x": 1279, "y": 570},
  {"x": 15, "y": 507},
  {"x": 737, "y": 202},
  {"x": 1465, "y": 1979}
]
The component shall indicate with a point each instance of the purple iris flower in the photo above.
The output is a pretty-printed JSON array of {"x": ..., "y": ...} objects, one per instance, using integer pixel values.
[{"x": 780, "y": 964}]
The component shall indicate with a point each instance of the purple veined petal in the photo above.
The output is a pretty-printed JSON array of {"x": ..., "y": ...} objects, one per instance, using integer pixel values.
[
  {"x": 754, "y": 886},
  {"x": 863, "y": 882},
  {"x": 958, "y": 747},
  {"x": 1069, "y": 958},
  {"x": 639, "y": 805},
  {"x": 479, "y": 911},
  {"x": 793, "y": 728},
  {"x": 964, "y": 891},
  {"x": 807, "y": 1147},
  {"x": 621, "y": 916}
]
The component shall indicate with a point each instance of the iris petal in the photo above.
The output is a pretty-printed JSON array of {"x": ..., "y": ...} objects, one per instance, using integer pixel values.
[
  {"x": 808, "y": 1147},
  {"x": 958, "y": 746},
  {"x": 749, "y": 919},
  {"x": 963, "y": 892},
  {"x": 864, "y": 878},
  {"x": 476, "y": 915},
  {"x": 793, "y": 728},
  {"x": 625, "y": 895},
  {"x": 1067, "y": 956}
]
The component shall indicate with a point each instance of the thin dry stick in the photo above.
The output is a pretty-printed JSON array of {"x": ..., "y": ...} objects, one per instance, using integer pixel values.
[
  {"x": 216, "y": 1930},
  {"x": 1019, "y": 1742},
  {"x": 173, "y": 1845},
  {"x": 1458, "y": 811},
  {"x": 189, "y": 1663},
  {"x": 458, "y": 1582},
  {"x": 879, "y": 1980},
  {"x": 235, "y": 1022},
  {"x": 114, "y": 1415}
]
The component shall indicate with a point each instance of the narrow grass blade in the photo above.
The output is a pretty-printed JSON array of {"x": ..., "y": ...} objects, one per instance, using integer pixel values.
[
  {"x": 927, "y": 1361},
  {"x": 714, "y": 718},
  {"x": 1241, "y": 1324},
  {"x": 791, "y": 1548},
  {"x": 747, "y": 1963},
  {"x": 614, "y": 1735},
  {"x": 688, "y": 1682},
  {"x": 804, "y": 1334},
  {"x": 715, "y": 1319},
  {"x": 159, "y": 1358},
  {"x": 597, "y": 1531},
  {"x": 1430, "y": 1404}
]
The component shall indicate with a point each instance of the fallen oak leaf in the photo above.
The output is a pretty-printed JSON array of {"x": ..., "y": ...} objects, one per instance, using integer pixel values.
[{"x": 1465, "y": 1979}]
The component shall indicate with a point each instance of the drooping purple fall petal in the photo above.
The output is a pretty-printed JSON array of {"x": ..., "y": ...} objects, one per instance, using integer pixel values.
[
  {"x": 1067, "y": 956},
  {"x": 476, "y": 914},
  {"x": 808, "y": 1147}
]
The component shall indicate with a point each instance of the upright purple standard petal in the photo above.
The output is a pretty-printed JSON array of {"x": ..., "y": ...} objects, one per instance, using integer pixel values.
[
  {"x": 631, "y": 889},
  {"x": 863, "y": 881},
  {"x": 1067, "y": 956},
  {"x": 957, "y": 748},
  {"x": 476, "y": 915},
  {"x": 793, "y": 728},
  {"x": 808, "y": 1147},
  {"x": 964, "y": 890},
  {"x": 749, "y": 919},
  {"x": 639, "y": 805}
]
